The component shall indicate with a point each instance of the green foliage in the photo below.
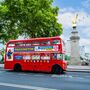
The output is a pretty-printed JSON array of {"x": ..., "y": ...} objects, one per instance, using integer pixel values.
[
  {"x": 2, "y": 55},
  {"x": 67, "y": 57},
  {"x": 35, "y": 18}
]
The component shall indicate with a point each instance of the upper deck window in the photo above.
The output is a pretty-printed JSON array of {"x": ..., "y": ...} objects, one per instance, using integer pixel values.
[
  {"x": 35, "y": 43},
  {"x": 11, "y": 44},
  {"x": 23, "y": 44},
  {"x": 45, "y": 43},
  {"x": 56, "y": 42}
]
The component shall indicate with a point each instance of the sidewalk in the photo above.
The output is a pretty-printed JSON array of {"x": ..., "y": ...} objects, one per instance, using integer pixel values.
[
  {"x": 78, "y": 68},
  {"x": 1, "y": 65}
]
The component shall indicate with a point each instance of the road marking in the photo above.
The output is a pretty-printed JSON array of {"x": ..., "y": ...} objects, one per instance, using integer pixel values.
[
  {"x": 67, "y": 76},
  {"x": 38, "y": 75},
  {"x": 25, "y": 86},
  {"x": 64, "y": 76},
  {"x": 21, "y": 74},
  {"x": 58, "y": 76}
]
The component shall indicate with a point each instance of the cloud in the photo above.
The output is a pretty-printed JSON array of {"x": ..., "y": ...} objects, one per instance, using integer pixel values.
[
  {"x": 86, "y": 3},
  {"x": 65, "y": 17},
  {"x": 83, "y": 19},
  {"x": 86, "y": 32},
  {"x": 64, "y": 37},
  {"x": 84, "y": 41},
  {"x": 70, "y": 9}
]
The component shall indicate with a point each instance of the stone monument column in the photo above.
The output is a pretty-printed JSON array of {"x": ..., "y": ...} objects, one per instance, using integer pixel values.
[{"x": 74, "y": 41}]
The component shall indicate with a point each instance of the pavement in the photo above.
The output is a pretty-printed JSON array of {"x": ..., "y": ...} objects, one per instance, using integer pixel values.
[
  {"x": 1, "y": 65},
  {"x": 78, "y": 68},
  {"x": 73, "y": 68}
]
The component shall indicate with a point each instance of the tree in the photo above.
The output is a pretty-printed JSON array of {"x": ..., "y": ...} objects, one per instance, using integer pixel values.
[{"x": 34, "y": 18}]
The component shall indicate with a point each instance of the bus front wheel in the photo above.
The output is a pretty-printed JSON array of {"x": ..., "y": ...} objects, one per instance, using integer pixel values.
[
  {"x": 56, "y": 69},
  {"x": 17, "y": 68}
]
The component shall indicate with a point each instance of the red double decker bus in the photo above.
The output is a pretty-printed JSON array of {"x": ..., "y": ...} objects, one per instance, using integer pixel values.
[{"x": 36, "y": 54}]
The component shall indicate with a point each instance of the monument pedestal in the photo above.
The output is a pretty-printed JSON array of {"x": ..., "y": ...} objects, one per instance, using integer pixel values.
[
  {"x": 75, "y": 49},
  {"x": 75, "y": 61}
]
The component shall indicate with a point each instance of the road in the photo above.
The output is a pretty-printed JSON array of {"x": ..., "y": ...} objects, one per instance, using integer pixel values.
[{"x": 10, "y": 80}]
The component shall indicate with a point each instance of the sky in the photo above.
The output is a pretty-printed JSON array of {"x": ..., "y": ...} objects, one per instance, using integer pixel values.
[{"x": 68, "y": 9}]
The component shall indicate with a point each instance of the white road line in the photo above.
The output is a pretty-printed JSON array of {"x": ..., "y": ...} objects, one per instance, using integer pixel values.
[
  {"x": 67, "y": 76},
  {"x": 25, "y": 86},
  {"x": 38, "y": 75},
  {"x": 55, "y": 76},
  {"x": 64, "y": 76},
  {"x": 21, "y": 74}
]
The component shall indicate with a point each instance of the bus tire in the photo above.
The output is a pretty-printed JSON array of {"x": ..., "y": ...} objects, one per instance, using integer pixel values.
[
  {"x": 56, "y": 69},
  {"x": 17, "y": 68}
]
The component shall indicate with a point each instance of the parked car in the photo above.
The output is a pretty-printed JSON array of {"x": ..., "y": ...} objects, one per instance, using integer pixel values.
[{"x": 85, "y": 62}]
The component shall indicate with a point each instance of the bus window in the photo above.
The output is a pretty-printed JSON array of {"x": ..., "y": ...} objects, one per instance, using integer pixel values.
[
  {"x": 28, "y": 44},
  {"x": 60, "y": 56},
  {"x": 35, "y": 43},
  {"x": 45, "y": 43},
  {"x": 20, "y": 44},
  {"x": 56, "y": 42},
  {"x": 11, "y": 44},
  {"x": 54, "y": 56},
  {"x": 23, "y": 44}
]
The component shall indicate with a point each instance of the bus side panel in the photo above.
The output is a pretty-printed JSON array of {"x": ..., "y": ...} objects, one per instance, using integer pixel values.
[
  {"x": 27, "y": 65},
  {"x": 8, "y": 65},
  {"x": 37, "y": 66},
  {"x": 45, "y": 66}
]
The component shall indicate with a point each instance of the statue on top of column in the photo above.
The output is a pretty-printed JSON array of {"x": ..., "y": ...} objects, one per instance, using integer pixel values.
[{"x": 74, "y": 21}]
